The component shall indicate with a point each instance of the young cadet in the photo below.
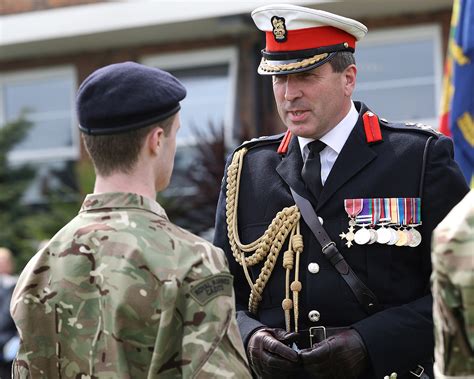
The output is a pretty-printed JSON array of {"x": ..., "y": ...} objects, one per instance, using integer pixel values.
[
  {"x": 327, "y": 228},
  {"x": 120, "y": 291}
]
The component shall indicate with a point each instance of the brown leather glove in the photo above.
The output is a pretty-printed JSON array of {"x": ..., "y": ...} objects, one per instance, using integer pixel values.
[
  {"x": 342, "y": 356},
  {"x": 269, "y": 355}
]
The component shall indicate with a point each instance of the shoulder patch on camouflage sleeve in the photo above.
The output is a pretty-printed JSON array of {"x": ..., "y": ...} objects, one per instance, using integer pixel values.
[{"x": 209, "y": 288}]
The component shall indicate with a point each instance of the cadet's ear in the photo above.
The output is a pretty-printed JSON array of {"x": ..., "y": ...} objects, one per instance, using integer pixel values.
[{"x": 154, "y": 139}]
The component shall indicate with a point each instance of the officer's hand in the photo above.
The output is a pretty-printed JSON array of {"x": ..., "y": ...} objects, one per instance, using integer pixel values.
[
  {"x": 342, "y": 356},
  {"x": 269, "y": 354}
]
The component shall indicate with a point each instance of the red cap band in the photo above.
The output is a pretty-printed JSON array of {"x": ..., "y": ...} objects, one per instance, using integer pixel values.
[{"x": 309, "y": 38}]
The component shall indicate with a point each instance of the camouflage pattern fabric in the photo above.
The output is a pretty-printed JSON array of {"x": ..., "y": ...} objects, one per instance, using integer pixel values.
[
  {"x": 121, "y": 292},
  {"x": 453, "y": 292}
]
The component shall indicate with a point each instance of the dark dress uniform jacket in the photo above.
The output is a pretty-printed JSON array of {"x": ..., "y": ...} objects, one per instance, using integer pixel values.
[{"x": 410, "y": 162}]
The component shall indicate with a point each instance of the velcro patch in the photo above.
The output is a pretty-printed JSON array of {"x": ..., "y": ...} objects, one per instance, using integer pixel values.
[{"x": 209, "y": 288}]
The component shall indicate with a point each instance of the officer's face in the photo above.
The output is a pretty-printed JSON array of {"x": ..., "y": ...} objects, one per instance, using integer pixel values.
[
  {"x": 311, "y": 103},
  {"x": 166, "y": 162}
]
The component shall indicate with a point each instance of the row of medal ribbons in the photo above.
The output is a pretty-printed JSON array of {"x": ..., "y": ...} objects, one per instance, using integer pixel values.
[{"x": 390, "y": 221}]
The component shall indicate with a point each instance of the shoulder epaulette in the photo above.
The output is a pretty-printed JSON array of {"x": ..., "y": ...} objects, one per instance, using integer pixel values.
[
  {"x": 410, "y": 126},
  {"x": 261, "y": 141}
]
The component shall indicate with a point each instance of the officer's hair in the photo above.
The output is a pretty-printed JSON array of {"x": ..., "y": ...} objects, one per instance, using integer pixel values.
[
  {"x": 119, "y": 152},
  {"x": 341, "y": 60}
]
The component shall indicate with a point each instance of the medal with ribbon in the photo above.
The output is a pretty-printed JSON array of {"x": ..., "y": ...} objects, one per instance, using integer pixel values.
[
  {"x": 353, "y": 207},
  {"x": 396, "y": 219},
  {"x": 363, "y": 235},
  {"x": 383, "y": 233},
  {"x": 402, "y": 236},
  {"x": 393, "y": 211},
  {"x": 413, "y": 220}
]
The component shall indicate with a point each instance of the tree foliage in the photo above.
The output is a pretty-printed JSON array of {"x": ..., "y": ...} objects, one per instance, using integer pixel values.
[
  {"x": 25, "y": 225},
  {"x": 14, "y": 180},
  {"x": 197, "y": 212}
]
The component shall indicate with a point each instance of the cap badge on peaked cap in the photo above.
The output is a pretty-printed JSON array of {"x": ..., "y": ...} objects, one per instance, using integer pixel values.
[{"x": 279, "y": 29}]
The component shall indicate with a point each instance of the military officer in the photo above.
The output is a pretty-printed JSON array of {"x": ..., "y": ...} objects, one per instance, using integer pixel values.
[
  {"x": 120, "y": 291},
  {"x": 327, "y": 227},
  {"x": 453, "y": 279}
]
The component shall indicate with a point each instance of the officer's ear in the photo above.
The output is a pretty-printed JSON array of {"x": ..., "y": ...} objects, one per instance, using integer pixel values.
[
  {"x": 349, "y": 79},
  {"x": 154, "y": 139}
]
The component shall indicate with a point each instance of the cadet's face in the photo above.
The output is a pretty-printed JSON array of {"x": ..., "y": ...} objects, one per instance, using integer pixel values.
[
  {"x": 167, "y": 153},
  {"x": 311, "y": 103}
]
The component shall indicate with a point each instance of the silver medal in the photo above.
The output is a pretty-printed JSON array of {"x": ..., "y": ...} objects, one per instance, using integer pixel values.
[
  {"x": 373, "y": 236},
  {"x": 383, "y": 235},
  {"x": 362, "y": 236},
  {"x": 409, "y": 237},
  {"x": 416, "y": 238},
  {"x": 393, "y": 236}
]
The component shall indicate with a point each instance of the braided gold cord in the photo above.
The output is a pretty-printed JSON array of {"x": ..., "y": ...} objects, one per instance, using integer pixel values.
[
  {"x": 297, "y": 243},
  {"x": 288, "y": 264},
  {"x": 265, "y": 66},
  {"x": 267, "y": 246}
]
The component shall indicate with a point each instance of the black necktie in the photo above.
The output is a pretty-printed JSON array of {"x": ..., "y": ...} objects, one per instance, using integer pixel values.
[{"x": 311, "y": 172}]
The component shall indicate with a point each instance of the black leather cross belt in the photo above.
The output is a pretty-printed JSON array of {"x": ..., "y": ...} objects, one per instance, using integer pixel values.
[{"x": 307, "y": 338}]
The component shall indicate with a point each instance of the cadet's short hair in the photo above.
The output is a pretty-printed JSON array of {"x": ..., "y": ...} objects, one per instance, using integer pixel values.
[
  {"x": 113, "y": 153},
  {"x": 342, "y": 60}
]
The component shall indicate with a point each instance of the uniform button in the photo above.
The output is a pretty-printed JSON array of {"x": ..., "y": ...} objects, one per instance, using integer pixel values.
[
  {"x": 321, "y": 220},
  {"x": 314, "y": 316},
  {"x": 313, "y": 268}
]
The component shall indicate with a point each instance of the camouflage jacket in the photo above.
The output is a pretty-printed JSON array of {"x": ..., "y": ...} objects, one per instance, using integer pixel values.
[
  {"x": 121, "y": 292},
  {"x": 453, "y": 291}
]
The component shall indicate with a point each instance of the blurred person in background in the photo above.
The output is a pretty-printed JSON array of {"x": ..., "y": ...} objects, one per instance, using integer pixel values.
[
  {"x": 453, "y": 292},
  {"x": 120, "y": 291},
  {"x": 8, "y": 334}
]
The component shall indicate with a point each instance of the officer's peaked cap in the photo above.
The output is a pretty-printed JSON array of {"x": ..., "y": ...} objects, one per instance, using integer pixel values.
[
  {"x": 126, "y": 96},
  {"x": 300, "y": 39}
]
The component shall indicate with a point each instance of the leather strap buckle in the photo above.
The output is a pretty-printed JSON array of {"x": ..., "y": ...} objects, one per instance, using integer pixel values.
[
  {"x": 313, "y": 333},
  {"x": 418, "y": 371},
  {"x": 327, "y": 246}
]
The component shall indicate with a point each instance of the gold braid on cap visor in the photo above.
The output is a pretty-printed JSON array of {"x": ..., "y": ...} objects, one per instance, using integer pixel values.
[
  {"x": 266, "y": 66},
  {"x": 286, "y": 223}
]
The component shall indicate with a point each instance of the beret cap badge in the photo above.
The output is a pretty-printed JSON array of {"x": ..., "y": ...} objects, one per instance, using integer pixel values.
[{"x": 279, "y": 28}]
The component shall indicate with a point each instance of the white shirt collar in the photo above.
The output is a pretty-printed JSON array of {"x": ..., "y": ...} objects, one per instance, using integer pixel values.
[{"x": 337, "y": 136}]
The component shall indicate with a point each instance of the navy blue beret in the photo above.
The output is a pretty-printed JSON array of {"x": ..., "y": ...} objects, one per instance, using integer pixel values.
[{"x": 126, "y": 96}]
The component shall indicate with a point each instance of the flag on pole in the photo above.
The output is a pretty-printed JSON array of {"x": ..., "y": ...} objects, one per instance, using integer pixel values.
[{"x": 457, "y": 107}]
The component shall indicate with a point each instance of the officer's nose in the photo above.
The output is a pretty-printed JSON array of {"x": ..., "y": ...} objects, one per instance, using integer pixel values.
[{"x": 292, "y": 89}]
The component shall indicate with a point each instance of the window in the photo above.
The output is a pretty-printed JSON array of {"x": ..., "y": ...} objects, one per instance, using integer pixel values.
[
  {"x": 45, "y": 98},
  {"x": 399, "y": 73},
  {"x": 210, "y": 79}
]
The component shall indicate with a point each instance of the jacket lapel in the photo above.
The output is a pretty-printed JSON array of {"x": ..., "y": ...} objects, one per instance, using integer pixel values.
[
  {"x": 290, "y": 167},
  {"x": 354, "y": 156}
]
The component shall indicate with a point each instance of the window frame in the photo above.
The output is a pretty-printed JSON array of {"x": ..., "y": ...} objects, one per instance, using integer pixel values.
[
  {"x": 411, "y": 33},
  {"x": 46, "y": 154},
  {"x": 202, "y": 58}
]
